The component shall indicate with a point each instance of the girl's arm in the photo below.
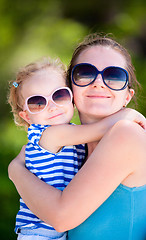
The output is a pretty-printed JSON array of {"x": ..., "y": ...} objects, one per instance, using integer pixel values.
[
  {"x": 116, "y": 156},
  {"x": 65, "y": 134}
]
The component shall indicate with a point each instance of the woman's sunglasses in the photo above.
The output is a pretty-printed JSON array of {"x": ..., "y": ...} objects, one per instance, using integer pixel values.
[
  {"x": 38, "y": 103},
  {"x": 115, "y": 78}
]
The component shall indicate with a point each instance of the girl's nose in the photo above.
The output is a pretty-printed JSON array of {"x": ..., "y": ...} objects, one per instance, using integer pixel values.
[{"x": 51, "y": 106}]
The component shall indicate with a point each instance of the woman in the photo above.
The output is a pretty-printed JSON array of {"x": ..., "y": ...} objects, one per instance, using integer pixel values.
[{"x": 113, "y": 178}]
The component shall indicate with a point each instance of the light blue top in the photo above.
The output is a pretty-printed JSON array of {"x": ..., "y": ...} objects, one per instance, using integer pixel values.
[{"x": 121, "y": 217}]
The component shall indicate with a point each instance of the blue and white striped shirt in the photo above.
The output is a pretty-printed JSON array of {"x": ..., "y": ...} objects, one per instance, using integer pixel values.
[{"x": 56, "y": 169}]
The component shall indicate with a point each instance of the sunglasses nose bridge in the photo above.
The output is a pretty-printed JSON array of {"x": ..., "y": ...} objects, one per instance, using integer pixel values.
[
  {"x": 50, "y": 105},
  {"x": 98, "y": 78}
]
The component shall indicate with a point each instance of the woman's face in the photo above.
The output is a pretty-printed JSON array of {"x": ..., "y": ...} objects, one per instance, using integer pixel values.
[{"x": 96, "y": 100}]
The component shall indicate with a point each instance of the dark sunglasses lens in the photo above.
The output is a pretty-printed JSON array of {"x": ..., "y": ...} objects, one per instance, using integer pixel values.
[
  {"x": 84, "y": 74},
  {"x": 115, "y": 78},
  {"x": 36, "y": 103},
  {"x": 62, "y": 96}
]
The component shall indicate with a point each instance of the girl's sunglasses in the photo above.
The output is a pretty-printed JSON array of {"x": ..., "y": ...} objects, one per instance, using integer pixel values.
[
  {"x": 38, "y": 103},
  {"x": 115, "y": 78}
]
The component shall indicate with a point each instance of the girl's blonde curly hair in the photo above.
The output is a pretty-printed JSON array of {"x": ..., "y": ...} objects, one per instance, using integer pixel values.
[{"x": 14, "y": 94}]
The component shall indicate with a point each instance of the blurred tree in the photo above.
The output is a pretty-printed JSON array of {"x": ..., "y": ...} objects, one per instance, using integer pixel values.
[{"x": 31, "y": 29}]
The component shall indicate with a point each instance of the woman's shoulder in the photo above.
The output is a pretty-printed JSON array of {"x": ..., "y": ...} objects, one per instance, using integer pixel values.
[
  {"x": 131, "y": 136},
  {"x": 131, "y": 129}
]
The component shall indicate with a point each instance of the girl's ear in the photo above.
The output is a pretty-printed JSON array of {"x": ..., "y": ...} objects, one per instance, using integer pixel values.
[
  {"x": 129, "y": 96},
  {"x": 24, "y": 115}
]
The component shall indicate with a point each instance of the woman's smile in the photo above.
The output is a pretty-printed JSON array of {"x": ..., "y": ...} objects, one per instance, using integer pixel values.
[{"x": 98, "y": 95}]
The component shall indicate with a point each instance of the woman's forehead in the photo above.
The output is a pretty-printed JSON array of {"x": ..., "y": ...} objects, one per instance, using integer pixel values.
[{"x": 102, "y": 55}]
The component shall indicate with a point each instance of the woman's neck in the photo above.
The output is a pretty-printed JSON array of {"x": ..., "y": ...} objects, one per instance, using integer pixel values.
[{"x": 85, "y": 119}]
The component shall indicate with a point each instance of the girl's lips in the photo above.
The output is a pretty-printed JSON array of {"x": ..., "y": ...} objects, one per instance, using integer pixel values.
[{"x": 55, "y": 116}]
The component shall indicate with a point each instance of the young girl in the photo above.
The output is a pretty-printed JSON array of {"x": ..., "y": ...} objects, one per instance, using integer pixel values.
[
  {"x": 113, "y": 179},
  {"x": 41, "y": 101}
]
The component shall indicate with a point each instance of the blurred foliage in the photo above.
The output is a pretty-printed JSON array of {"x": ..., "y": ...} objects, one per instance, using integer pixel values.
[{"x": 31, "y": 29}]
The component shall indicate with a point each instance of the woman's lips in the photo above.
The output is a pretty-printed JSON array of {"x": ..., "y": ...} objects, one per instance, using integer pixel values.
[{"x": 98, "y": 96}]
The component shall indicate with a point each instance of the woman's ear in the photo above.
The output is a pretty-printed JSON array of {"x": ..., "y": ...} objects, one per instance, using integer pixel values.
[
  {"x": 24, "y": 115},
  {"x": 129, "y": 96}
]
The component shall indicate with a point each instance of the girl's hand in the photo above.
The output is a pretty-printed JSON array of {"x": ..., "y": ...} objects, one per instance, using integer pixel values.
[
  {"x": 20, "y": 159},
  {"x": 131, "y": 115}
]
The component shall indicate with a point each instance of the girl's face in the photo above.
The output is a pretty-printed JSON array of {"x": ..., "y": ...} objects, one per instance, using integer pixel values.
[
  {"x": 44, "y": 82},
  {"x": 96, "y": 100}
]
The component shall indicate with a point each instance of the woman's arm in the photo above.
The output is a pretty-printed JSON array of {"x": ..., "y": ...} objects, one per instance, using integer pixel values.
[
  {"x": 116, "y": 156},
  {"x": 65, "y": 134}
]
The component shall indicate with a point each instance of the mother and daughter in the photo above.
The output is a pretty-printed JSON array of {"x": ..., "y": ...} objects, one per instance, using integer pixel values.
[{"x": 88, "y": 181}]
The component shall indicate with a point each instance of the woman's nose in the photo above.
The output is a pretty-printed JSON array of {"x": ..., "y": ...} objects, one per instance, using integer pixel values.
[{"x": 98, "y": 81}]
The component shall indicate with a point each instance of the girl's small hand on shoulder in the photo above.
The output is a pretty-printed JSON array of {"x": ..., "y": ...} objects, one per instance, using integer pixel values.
[
  {"x": 136, "y": 117},
  {"x": 131, "y": 115}
]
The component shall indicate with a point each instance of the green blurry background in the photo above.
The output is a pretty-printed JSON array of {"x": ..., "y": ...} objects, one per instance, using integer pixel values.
[{"x": 31, "y": 29}]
